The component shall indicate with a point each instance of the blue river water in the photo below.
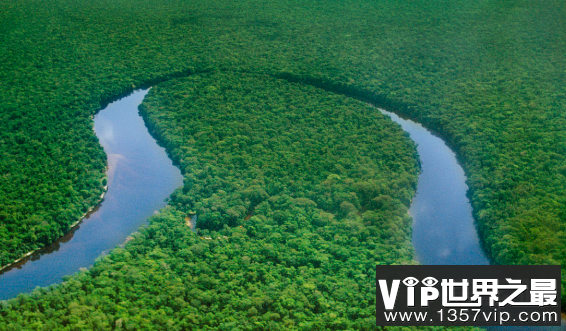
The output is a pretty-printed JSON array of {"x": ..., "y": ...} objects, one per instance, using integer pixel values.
[
  {"x": 140, "y": 177},
  {"x": 443, "y": 225}
]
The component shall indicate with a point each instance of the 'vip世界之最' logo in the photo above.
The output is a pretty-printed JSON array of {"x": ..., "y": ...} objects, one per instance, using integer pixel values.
[{"x": 468, "y": 295}]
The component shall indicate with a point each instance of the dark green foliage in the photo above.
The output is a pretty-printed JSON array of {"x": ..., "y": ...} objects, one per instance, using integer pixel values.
[
  {"x": 243, "y": 140},
  {"x": 299, "y": 194},
  {"x": 44, "y": 187},
  {"x": 489, "y": 76},
  {"x": 170, "y": 279}
]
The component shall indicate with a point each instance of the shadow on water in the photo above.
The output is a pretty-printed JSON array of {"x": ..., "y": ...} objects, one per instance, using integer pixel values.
[{"x": 140, "y": 177}]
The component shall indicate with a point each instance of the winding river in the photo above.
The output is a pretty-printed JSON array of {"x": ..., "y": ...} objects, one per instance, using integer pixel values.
[
  {"x": 140, "y": 177},
  {"x": 443, "y": 225}
]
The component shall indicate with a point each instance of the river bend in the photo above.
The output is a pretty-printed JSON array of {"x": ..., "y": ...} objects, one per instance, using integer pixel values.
[
  {"x": 140, "y": 177},
  {"x": 443, "y": 225}
]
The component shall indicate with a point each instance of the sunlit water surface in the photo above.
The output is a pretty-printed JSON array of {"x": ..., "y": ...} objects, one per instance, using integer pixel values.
[
  {"x": 443, "y": 225},
  {"x": 140, "y": 177}
]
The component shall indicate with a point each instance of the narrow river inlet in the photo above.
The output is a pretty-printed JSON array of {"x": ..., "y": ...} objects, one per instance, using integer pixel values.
[{"x": 140, "y": 177}]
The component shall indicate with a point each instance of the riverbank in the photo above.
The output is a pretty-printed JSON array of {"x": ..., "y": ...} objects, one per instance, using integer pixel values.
[
  {"x": 71, "y": 228},
  {"x": 140, "y": 177}
]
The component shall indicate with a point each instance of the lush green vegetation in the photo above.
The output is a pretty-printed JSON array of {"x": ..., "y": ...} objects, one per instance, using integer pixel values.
[
  {"x": 242, "y": 140},
  {"x": 44, "y": 188},
  {"x": 489, "y": 76},
  {"x": 299, "y": 193}
]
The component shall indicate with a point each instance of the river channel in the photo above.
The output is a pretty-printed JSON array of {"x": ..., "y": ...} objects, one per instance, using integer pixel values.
[
  {"x": 140, "y": 178},
  {"x": 443, "y": 225}
]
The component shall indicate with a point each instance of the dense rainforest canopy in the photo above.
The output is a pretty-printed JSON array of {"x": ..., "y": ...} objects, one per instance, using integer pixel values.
[
  {"x": 299, "y": 194},
  {"x": 489, "y": 76}
]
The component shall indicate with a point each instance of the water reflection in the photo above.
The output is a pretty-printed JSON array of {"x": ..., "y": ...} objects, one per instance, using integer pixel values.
[
  {"x": 443, "y": 225},
  {"x": 141, "y": 177}
]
